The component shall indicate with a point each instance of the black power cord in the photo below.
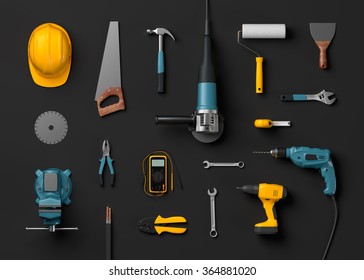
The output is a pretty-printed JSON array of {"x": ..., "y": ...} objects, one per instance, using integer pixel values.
[{"x": 333, "y": 228}]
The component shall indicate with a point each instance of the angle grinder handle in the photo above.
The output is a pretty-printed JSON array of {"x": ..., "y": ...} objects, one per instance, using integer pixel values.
[{"x": 174, "y": 119}]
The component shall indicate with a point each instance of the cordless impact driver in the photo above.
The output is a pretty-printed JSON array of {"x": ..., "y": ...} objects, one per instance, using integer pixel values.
[{"x": 269, "y": 194}]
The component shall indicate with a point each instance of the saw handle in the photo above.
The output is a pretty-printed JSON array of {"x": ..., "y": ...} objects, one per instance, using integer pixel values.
[
  {"x": 259, "y": 74},
  {"x": 323, "y": 45},
  {"x": 120, "y": 105}
]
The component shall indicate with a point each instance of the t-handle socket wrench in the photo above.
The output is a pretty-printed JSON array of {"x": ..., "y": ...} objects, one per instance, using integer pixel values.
[{"x": 213, "y": 231}]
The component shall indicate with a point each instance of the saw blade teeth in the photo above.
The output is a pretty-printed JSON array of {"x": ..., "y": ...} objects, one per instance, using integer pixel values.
[{"x": 51, "y": 127}]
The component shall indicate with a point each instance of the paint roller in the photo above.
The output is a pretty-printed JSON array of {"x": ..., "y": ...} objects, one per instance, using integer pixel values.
[{"x": 260, "y": 31}]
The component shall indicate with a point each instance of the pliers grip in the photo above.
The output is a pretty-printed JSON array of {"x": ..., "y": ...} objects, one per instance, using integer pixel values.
[{"x": 111, "y": 168}]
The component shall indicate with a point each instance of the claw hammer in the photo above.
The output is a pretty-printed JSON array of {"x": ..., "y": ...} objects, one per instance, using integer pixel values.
[{"x": 160, "y": 70}]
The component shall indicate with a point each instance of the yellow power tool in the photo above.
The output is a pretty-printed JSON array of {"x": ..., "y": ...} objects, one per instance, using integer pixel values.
[{"x": 269, "y": 194}]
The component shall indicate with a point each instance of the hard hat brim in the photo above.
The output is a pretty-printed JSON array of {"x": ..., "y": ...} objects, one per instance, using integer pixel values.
[{"x": 49, "y": 82}]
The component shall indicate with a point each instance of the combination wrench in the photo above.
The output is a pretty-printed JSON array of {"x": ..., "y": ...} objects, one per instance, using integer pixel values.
[
  {"x": 207, "y": 164},
  {"x": 213, "y": 231}
]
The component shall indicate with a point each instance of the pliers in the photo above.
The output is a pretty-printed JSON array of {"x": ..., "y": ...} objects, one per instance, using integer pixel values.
[
  {"x": 160, "y": 224},
  {"x": 106, "y": 157}
]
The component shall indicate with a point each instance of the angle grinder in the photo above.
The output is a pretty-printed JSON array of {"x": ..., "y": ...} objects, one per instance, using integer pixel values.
[{"x": 206, "y": 123}]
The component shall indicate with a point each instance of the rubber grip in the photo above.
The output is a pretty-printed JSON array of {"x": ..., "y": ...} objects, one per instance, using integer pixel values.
[
  {"x": 109, "y": 163},
  {"x": 328, "y": 173},
  {"x": 101, "y": 168},
  {"x": 161, "y": 82},
  {"x": 259, "y": 74},
  {"x": 112, "y": 180},
  {"x": 174, "y": 120},
  {"x": 263, "y": 123},
  {"x": 101, "y": 180},
  {"x": 293, "y": 97},
  {"x": 174, "y": 230},
  {"x": 287, "y": 97},
  {"x": 170, "y": 220}
]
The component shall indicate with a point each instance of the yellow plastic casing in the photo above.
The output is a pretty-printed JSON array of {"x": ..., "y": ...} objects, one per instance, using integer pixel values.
[
  {"x": 165, "y": 185},
  {"x": 269, "y": 194}
]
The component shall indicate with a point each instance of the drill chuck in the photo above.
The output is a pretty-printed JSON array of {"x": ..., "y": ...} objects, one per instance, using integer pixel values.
[
  {"x": 251, "y": 189},
  {"x": 278, "y": 152}
]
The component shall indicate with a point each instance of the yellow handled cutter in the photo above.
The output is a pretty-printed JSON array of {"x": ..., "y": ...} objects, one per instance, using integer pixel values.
[{"x": 160, "y": 225}]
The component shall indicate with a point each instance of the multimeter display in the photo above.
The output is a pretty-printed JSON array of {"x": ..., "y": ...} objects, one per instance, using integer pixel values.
[
  {"x": 158, "y": 162},
  {"x": 158, "y": 174}
]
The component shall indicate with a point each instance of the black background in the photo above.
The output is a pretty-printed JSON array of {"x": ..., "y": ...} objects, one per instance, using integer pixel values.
[{"x": 290, "y": 66}]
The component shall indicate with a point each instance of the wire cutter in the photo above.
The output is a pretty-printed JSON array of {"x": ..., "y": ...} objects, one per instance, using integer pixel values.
[
  {"x": 160, "y": 224},
  {"x": 106, "y": 157}
]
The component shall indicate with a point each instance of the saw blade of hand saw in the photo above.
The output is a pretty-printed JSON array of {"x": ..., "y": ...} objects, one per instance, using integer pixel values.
[
  {"x": 51, "y": 127},
  {"x": 110, "y": 68}
]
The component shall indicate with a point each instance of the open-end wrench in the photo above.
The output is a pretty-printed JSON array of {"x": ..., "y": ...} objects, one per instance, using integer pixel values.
[
  {"x": 324, "y": 96},
  {"x": 207, "y": 164},
  {"x": 213, "y": 232}
]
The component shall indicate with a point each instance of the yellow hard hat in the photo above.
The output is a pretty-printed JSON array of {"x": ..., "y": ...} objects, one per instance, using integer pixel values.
[{"x": 49, "y": 55}]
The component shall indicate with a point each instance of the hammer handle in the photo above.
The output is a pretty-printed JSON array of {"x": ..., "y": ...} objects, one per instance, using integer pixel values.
[
  {"x": 160, "y": 71},
  {"x": 161, "y": 82}
]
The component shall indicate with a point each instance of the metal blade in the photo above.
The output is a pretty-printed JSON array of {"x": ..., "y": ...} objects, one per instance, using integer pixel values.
[
  {"x": 322, "y": 31},
  {"x": 281, "y": 123},
  {"x": 110, "y": 67}
]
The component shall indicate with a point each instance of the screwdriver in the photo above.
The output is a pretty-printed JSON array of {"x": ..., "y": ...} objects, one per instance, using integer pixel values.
[{"x": 266, "y": 123}]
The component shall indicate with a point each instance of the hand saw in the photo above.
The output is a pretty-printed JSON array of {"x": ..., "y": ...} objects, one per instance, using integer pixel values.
[{"x": 109, "y": 80}]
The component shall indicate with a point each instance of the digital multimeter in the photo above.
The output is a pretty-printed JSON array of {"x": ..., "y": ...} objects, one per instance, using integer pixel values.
[{"x": 158, "y": 175}]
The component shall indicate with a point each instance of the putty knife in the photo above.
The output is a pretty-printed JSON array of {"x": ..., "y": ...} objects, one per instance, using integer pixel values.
[
  {"x": 109, "y": 80},
  {"x": 323, "y": 33}
]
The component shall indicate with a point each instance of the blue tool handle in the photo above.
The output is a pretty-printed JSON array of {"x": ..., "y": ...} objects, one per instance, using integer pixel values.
[
  {"x": 293, "y": 97},
  {"x": 101, "y": 168},
  {"x": 206, "y": 96},
  {"x": 109, "y": 163},
  {"x": 328, "y": 173},
  {"x": 160, "y": 71}
]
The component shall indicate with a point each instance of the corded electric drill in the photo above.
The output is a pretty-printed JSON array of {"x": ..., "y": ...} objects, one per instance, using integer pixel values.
[
  {"x": 206, "y": 123},
  {"x": 306, "y": 157}
]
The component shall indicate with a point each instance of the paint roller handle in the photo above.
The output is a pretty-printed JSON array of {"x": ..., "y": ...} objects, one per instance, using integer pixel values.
[{"x": 259, "y": 74}]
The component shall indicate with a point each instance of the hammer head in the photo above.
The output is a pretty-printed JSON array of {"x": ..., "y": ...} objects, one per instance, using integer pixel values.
[{"x": 160, "y": 31}]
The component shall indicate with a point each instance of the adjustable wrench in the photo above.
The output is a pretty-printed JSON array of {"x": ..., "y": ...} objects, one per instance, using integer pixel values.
[
  {"x": 324, "y": 96},
  {"x": 213, "y": 232},
  {"x": 207, "y": 164}
]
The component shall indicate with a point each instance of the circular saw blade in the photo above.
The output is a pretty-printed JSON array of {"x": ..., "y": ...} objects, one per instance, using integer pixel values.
[{"x": 51, "y": 127}]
